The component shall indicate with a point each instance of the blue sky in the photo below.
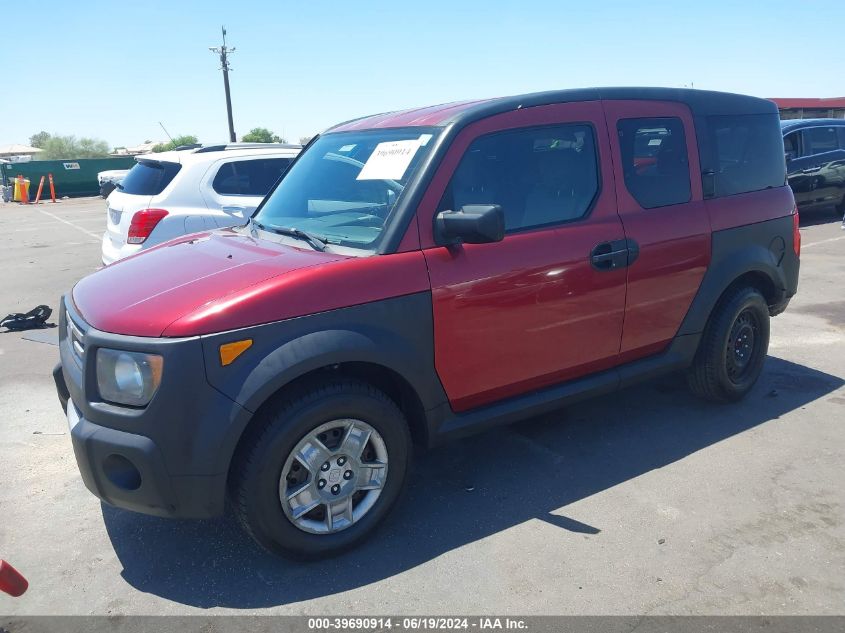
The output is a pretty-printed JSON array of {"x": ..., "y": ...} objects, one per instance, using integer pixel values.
[{"x": 114, "y": 69}]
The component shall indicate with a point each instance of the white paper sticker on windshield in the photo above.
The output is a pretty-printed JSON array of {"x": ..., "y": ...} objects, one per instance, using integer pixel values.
[
  {"x": 347, "y": 148},
  {"x": 389, "y": 160}
]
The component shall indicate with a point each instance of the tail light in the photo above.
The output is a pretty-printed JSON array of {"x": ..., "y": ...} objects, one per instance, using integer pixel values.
[
  {"x": 11, "y": 581},
  {"x": 796, "y": 235},
  {"x": 143, "y": 223}
]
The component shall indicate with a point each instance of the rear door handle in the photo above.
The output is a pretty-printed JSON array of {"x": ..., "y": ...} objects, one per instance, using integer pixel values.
[{"x": 615, "y": 254}]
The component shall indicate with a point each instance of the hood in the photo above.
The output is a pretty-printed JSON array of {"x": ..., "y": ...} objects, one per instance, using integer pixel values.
[{"x": 143, "y": 294}]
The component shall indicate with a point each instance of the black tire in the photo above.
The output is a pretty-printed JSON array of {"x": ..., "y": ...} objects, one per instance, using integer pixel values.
[
  {"x": 260, "y": 458},
  {"x": 733, "y": 347}
]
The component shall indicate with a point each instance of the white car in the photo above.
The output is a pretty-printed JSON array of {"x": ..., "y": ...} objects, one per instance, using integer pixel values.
[
  {"x": 109, "y": 179},
  {"x": 175, "y": 193}
]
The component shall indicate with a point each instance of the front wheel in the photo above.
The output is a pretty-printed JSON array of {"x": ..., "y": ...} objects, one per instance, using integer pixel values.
[
  {"x": 733, "y": 347},
  {"x": 321, "y": 469}
]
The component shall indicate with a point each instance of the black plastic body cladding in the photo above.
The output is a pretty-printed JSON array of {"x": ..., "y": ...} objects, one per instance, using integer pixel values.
[
  {"x": 395, "y": 334},
  {"x": 765, "y": 248},
  {"x": 178, "y": 433},
  {"x": 183, "y": 441}
]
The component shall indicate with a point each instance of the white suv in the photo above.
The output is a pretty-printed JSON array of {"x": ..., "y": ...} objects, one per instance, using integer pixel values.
[{"x": 171, "y": 194}]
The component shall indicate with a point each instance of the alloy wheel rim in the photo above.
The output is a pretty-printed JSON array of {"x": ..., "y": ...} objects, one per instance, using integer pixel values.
[{"x": 333, "y": 476}]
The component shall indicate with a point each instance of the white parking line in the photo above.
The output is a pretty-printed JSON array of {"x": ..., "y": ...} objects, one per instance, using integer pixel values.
[
  {"x": 76, "y": 226},
  {"x": 831, "y": 239}
]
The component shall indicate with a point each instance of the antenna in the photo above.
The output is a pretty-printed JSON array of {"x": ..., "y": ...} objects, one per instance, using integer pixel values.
[{"x": 165, "y": 131}]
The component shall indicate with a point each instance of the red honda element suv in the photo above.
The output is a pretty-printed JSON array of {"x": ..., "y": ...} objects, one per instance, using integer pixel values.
[{"x": 420, "y": 275}]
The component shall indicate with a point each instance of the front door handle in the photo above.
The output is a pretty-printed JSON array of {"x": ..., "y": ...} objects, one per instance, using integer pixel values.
[{"x": 615, "y": 254}]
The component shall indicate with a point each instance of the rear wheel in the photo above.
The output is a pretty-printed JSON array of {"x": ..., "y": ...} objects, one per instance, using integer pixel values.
[
  {"x": 321, "y": 469},
  {"x": 733, "y": 347}
]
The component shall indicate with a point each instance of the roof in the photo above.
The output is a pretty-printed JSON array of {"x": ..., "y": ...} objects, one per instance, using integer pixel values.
[
  {"x": 701, "y": 102},
  {"x": 791, "y": 124},
  {"x": 414, "y": 117},
  {"x": 211, "y": 153},
  {"x": 16, "y": 148},
  {"x": 810, "y": 103}
]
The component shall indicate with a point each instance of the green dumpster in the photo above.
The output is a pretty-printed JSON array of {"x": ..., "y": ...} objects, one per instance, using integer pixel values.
[{"x": 71, "y": 177}]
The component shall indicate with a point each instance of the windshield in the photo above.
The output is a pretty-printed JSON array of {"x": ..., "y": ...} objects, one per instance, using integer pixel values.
[{"x": 344, "y": 187}]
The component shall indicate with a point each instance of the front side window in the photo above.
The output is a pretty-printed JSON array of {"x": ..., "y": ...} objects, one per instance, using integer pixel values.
[
  {"x": 345, "y": 185},
  {"x": 819, "y": 140},
  {"x": 654, "y": 161},
  {"x": 748, "y": 151},
  {"x": 539, "y": 176},
  {"x": 249, "y": 177}
]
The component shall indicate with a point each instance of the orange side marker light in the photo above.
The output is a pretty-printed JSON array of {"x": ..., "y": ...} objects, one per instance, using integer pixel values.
[{"x": 230, "y": 351}]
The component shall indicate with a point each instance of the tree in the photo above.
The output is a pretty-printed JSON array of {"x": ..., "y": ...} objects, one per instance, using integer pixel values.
[
  {"x": 92, "y": 148},
  {"x": 66, "y": 147},
  {"x": 262, "y": 135},
  {"x": 304, "y": 140},
  {"x": 185, "y": 139},
  {"x": 39, "y": 140}
]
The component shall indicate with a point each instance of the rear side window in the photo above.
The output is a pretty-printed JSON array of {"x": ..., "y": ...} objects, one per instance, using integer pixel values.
[
  {"x": 819, "y": 140},
  {"x": 253, "y": 177},
  {"x": 539, "y": 176},
  {"x": 654, "y": 161},
  {"x": 748, "y": 152},
  {"x": 149, "y": 178}
]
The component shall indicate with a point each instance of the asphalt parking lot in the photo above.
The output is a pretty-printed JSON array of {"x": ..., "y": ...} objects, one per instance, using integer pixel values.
[{"x": 649, "y": 502}]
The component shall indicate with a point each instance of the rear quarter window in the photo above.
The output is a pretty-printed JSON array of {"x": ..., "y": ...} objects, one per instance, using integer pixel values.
[
  {"x": 748, "y": 153},
  {"x": 149, "y": 178},
  {"x": 253, "y": 177}
]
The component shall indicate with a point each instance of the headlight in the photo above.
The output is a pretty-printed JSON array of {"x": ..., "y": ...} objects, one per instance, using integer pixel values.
[{"x": 128, "y": 377}]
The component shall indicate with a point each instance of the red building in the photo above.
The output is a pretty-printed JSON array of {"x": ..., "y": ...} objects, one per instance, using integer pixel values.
[{"x": 831, "y": 108}]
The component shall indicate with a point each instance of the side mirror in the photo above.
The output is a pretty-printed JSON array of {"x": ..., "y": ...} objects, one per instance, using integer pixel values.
[{"x": 473, "y": 224}]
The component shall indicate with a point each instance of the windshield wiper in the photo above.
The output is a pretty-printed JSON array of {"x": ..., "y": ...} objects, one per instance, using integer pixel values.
[{"x": 316, "y": 243}]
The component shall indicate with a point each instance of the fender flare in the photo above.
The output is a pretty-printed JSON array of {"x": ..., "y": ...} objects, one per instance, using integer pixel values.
[
  {"x": 741, "y": 260},
  {"x": 280, "y": 365},
  {"x": 315, "y": 350}
]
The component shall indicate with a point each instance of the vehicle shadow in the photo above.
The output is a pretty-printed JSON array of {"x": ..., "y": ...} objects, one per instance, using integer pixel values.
[{"x": 457, "y": 492}]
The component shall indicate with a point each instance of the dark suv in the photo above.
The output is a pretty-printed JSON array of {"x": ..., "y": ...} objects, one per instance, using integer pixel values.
[
  {"x": 421, "y": 275},
  {"x": 815, "y": 162}
]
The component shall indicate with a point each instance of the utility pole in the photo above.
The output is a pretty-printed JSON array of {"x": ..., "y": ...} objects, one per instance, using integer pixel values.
[{"x": 224, "y": 52}]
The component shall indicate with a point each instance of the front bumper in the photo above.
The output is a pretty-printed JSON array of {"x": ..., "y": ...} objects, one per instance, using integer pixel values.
[
  {"x": 122, "y": 469},
  {"x": 169, "y": 458}
]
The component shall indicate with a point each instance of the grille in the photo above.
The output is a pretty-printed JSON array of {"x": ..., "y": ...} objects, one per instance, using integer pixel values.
[{"x": 76, "y": 339}]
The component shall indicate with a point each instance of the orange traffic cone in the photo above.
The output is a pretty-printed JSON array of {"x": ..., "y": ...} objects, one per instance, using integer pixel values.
[{"x": 40, "y": 187}]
